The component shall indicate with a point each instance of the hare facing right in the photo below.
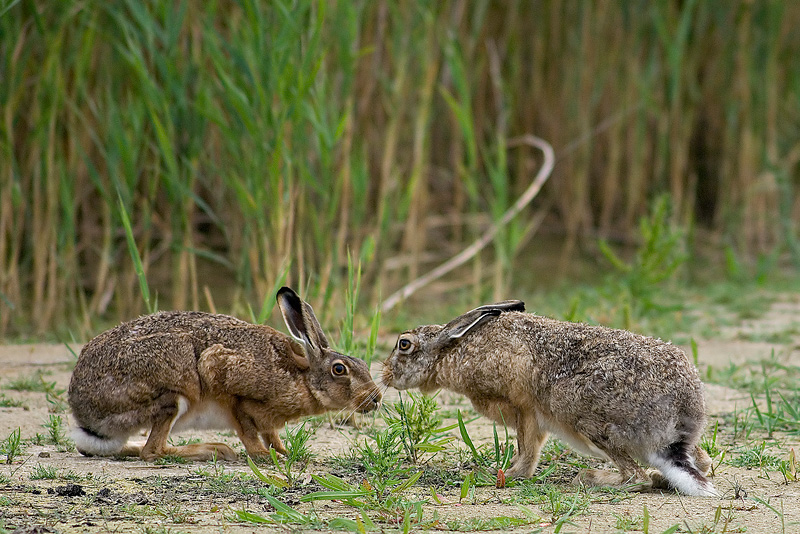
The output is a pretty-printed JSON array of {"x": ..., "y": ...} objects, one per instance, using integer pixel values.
[
  {"x": 608, "y": 393},
  {"x": 187, "y": 369}
]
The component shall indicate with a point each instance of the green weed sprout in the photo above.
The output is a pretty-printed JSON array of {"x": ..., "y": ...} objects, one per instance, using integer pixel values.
[
  {"x": 488, "y": 458},
  {"x": 419, "y": 425},
  {"x": 296, "y": 461},
  {"x": 383, "y": 487},
  {"x": 11, "y": 447}
]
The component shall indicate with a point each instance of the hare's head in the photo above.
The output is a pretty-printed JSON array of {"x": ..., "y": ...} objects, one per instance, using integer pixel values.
[
  {"x": 336, "y": 380},
  {"x": 413, "y": 361}
]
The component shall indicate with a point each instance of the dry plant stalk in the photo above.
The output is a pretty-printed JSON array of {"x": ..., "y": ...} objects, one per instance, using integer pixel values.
[{"x": 465, "y": 255}]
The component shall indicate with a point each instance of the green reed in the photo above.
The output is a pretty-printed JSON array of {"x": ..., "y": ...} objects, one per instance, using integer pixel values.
[{"x": 246, "y": 137}]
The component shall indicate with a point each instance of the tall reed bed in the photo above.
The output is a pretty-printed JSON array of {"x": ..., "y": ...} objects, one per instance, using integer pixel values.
[{"x": 247, "y": 141}]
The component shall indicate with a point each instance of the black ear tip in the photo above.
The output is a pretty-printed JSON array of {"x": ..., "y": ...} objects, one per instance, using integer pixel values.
[
  {"x": 286, "y": 292},
  {"x": 288, "y": 297},
  {"x": 511, "y": 305}
]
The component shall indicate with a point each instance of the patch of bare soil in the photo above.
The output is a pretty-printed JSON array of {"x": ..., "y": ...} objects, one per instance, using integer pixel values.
[{"x": 49, "y": 489}]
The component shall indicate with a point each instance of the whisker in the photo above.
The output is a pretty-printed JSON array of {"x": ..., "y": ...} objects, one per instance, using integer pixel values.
[
  {"x": 351, "y": 410},
  {"x": 346, "y": 412}
]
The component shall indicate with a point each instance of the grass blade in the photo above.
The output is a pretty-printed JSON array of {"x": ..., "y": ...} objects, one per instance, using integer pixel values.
[
  {"x": 137, "y": 259},
  {"x": 465, "y": 436},
  {"x": 273, "y": 481}
]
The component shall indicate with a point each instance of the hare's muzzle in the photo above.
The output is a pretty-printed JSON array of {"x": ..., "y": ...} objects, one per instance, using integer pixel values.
[
  {"x": 387, "y": 378},
  {"x": 370, "y": 401}
]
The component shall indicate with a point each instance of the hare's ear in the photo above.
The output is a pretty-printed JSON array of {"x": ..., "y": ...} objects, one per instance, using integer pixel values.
[
  {"x": 464, "y": 323},
  {"x": 504, "y": 306},
  {"x": 301, "y": 321}
]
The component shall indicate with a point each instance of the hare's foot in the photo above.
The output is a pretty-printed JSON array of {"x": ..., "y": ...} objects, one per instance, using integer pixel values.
[
  {"x": 631, "y": 476},
  {"x": 272, "y": 439},
  {"x": 511, "y": 462},
  {"x": 194, "y": 452},
  {"x": 660, "y": 482},
  {"x": 597, "y": 477},
  {"x": 202, "y": 452},
  {"x": 171, "y": 407},
  {"x": 263, "y": 452},
  {"x": 514, "y": 458},
  {"x": 347, "y": 418},
  {"x": 702, "y": 460},
  {"x": 130, "y": 450},
  {"x": 522, "y": 468},
  {"x": 603, "y": 477},
  {"x": 256, "y": 439},
  {"x": 260, "y": 448}
]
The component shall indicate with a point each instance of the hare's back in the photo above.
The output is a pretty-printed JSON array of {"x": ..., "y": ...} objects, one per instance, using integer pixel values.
[
  {"x": 151, "y": 352},
  {"x": 198, "y": 323},
  {"x": 602, "y": 367},
  {"x": 200, "y": 326},
  {"x": 564, "y": 349}
]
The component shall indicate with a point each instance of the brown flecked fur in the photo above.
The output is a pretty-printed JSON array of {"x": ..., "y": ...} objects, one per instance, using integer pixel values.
[
  {"x": 609, "y": 393},
  {"x": 251, "y": 378}
]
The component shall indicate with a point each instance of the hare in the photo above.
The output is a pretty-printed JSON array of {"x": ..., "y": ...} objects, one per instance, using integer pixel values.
[
  {"x": 185, "y": 369},
  {"x": 608, "y": 393}
]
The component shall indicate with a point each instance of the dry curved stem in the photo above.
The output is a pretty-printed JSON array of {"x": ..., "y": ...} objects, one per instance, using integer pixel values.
[{"x": 469, "y": 252}]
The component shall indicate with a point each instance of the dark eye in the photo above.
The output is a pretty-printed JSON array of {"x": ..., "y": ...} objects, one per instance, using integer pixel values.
[
  {"x": 404, "y": 344},
  {"x": 339, "y": 369}
]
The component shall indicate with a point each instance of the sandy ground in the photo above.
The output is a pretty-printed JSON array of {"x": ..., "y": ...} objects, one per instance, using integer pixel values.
[{"x": 125, "y": 496}]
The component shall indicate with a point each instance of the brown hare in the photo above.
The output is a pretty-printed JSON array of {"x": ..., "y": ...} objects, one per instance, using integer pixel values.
[
  {"x": 608, "y": 393},
  {"x": 184, "y": 369}
]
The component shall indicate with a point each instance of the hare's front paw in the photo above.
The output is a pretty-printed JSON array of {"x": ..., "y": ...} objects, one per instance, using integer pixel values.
[{"x": 521, "y": 468}]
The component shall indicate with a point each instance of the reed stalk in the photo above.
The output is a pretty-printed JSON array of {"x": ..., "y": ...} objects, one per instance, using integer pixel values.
[{"x": 242, "y": 137}]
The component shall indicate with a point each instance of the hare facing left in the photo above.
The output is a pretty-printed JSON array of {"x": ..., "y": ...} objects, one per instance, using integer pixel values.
[
  {"x": 184, "y": 369},
  {"x": 610, "y": 393}
]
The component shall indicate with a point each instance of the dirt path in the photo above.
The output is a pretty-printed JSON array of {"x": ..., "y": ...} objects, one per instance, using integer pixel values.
[{"x": 103, "y": 495}]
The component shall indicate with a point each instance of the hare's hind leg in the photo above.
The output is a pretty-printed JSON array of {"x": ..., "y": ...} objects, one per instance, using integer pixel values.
[
  {"x": 167, "y": 409},
  {"x": 631, "y": 474},
  {"x": 170, "y": 407}
]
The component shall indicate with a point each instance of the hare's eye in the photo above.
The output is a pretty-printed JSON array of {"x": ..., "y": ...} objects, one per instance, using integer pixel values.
[
  {"x": 339, "y": 369},
  {"x": 404, "y": 344}
]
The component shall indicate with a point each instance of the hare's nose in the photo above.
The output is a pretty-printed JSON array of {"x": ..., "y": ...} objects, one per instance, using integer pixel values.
[{"x": 375, "y": 400}]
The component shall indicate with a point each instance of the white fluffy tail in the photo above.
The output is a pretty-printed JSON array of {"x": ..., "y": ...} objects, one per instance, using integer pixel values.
[
  {"x": 683, "y": 475},
  {"x": 89, "y": 443}
]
